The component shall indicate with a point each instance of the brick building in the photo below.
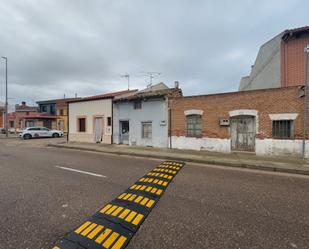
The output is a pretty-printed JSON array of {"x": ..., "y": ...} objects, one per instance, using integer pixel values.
[
  {"x": 267, "y": 122},
  {"x": 23, "y": 114},
  {"x": 2, "y": 112},
  {"x": 53, "y": 114},
  {"x": 280, "y": 62},
  {"x": 18, "y": 119}
]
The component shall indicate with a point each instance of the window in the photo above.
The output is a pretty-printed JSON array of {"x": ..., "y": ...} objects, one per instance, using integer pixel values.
[
  {"x": 34, "y": 129},
  {"x": 11, "y": 124},
  {"x": 138, "y": 105},
  {"x": 109, "y": 121},
  {"x": 147, "y": 130},
  {"x": 81, "y": 125},
  {"x": 43, "y": 108},
  {"x": 194, "y": 125},
  {"x": 61, "y": 112},
  {"x": 283, "y": 129},
  {"x": 52, "y": 109}
]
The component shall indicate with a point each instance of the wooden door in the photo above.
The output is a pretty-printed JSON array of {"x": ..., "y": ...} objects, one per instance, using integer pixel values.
[{"x": 243, "y": 133}]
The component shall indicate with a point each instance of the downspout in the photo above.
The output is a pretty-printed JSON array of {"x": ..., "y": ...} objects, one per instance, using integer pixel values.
[
  {"x": 68, "y": 122},
  {"x": 112, "y": 130},
  {"x": 170, "y": 125}
]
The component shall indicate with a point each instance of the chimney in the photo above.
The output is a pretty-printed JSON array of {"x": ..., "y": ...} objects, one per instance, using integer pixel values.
[
  {"x": 23, "y": 103},
  {"x": 177, "y": 84}
]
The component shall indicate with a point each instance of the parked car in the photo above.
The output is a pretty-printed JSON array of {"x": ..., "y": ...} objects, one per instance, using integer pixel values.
[
  {"x": 35, "y": 132},
  {"x": 2, "y": 131}
]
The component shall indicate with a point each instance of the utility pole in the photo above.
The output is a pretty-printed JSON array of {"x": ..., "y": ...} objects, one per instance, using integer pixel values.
[
  {"x": 6, "y": 96},
  {"x": 127, "y": 76},
  {"x": 305, "y": 101}
]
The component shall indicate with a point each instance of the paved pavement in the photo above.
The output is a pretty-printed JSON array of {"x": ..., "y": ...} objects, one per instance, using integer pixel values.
[
  {"x": 204, "y": 207},
  {"x": 288, "y": 164}
]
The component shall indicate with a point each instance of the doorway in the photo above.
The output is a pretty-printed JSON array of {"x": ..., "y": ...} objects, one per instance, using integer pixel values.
[
  {"x": 98, "y": 129},
  {"x": 124, "y": 132},
  {"x": 243, "y": 133}
]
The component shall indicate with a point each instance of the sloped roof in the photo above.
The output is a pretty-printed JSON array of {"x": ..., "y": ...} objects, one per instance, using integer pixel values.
[
  {"x": 102, "y": 96},
  {"x": 151, "y": 94},
  {"x": 51, "y": 101}
]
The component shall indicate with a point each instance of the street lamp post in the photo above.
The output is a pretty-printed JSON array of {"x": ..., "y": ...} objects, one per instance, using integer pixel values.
[
  {"x": 6, "y": 96},
  {"x": 305, "y": 102}
]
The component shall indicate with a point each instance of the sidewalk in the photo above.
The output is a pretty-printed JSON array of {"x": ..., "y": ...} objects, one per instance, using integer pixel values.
[{"x": 243, "y": 160}]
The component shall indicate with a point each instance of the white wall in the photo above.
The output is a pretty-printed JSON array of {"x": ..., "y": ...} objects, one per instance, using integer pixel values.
[
  {"x": 280, "y": 147},
  {"x": 155, "y": 111},
  {"x": 263, "y": 147},
  {"x": 90, "y": 109},
  {"x": 208, "y": 144}
]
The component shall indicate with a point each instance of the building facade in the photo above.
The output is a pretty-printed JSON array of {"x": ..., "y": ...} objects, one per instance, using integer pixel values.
[
  {"x": 142, "y": 118},
  {"x": 265, "y": 122},
  {"x": 90, "y": 118},
  {"x": 280, "y": 62},
  {"x": 23, "y": 114},
  {"x": 53, "y": 114},
  {"x": 2, "y": 113}
]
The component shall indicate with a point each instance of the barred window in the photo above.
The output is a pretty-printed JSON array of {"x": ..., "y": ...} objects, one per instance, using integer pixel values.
[
  {"x": 146, "y": 129},
  {"x": 194, "y": 125},
  {"x": 283, "y": 129}
]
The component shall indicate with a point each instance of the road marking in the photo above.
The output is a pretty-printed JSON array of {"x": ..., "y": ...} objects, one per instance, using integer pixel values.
[
  {"x": 115, "y": 224},
  {"x": 80, "y": 171}
]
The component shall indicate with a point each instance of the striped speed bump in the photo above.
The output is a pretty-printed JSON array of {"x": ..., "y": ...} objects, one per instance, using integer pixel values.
[{"x": 114, "y": 225}]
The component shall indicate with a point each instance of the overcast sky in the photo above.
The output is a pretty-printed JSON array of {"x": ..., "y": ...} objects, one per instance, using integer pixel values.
[{"x": 58, "y": 47}]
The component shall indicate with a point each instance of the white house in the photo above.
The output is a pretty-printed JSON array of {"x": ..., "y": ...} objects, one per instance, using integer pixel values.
[
  {"x": 142, "y": 118},
  {"x": 90, "y": 118}
]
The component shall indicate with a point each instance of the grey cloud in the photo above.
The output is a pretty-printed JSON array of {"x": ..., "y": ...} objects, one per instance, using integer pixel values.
[{"x": 65, "y": 46}]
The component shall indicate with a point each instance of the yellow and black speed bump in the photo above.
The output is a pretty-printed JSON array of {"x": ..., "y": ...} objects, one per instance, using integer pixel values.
[{"x": 114, "y": 225}]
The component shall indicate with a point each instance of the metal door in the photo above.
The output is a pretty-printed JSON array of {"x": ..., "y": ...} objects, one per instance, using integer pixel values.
[
  {"x": 124, "y": 132},
  {"x": 98, "y": 130},
  {"x": 243, "y": 133}
]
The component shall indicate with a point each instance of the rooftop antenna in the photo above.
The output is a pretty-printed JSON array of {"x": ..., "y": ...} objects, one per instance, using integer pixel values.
[
  {"x": 151, "y": 76},
  {"x": 127, "y": 76}
]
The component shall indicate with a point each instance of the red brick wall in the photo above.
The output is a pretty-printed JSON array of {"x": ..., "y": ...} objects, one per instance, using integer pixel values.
[
  {"x": 292, "y": 61},
  {"x": 1, "y": 120},
  {"x": 216, "y": 106},
  {"x": 20, "y": 117}
]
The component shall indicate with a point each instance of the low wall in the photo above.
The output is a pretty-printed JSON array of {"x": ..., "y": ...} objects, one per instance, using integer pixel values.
[
  {"x": 275, "y": 147},
  {"x": 88, "y": 138}
]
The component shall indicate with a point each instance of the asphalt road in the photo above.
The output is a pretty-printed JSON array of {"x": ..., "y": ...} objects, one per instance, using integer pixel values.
[{"x": 204, "y": 207}]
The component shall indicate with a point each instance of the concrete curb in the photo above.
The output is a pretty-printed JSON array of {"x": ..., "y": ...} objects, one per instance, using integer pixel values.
[{"x": 212, "y": 162}]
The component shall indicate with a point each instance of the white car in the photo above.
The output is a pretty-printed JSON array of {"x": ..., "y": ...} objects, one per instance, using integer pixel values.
[{"x": 34, "y": 132}]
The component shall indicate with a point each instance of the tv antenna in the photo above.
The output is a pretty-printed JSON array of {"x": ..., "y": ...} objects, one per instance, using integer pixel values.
[
  {"x": 151, "y": 76},
  {"x": 127, "y": 76}
]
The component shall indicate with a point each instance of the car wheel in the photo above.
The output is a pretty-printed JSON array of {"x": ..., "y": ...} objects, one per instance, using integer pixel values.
[
  {"x": 55, "y": 135},
  {"x": 27, "y": 136}
]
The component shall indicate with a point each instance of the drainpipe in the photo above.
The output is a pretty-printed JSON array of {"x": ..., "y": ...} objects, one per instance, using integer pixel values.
[
  {"x": 170, "y": 125},
  {"x": 112, "y": 128},
  {"x": 68, "y": 122},
  {"x": 305, "y": 102}
]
